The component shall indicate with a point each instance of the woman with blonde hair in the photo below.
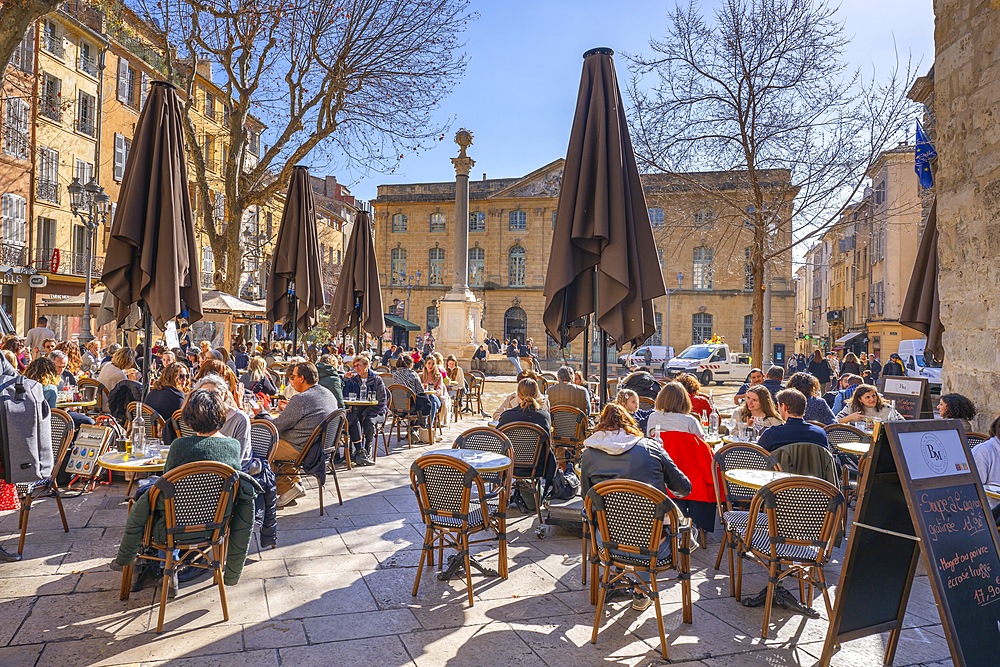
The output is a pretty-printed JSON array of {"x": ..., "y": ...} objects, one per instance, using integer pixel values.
[
  {"x": 529, "y": 407},
  {"x": 672, "y": 411},
  {"x": 121, "y": 367},
  {"x": 43, "y": 371},
  {"x": 758, "y": 404},
  {"x": 257, "y": 379}
]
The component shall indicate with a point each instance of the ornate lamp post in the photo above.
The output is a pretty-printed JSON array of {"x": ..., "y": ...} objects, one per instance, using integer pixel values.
[
  {"x": 409, "y": 282},
  {"x": 90, "y": 203},
  {"x": 680, "y": 283}
]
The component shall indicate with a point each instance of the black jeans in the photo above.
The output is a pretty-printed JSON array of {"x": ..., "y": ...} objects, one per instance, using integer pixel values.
[{"x": 362, "y": 419}]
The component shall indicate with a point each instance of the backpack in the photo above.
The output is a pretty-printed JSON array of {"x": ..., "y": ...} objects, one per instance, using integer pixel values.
[
  {"x": 565, "y": 485},
  {"x": 25, "y": 432},
  {"x": 123, "y": 393}
]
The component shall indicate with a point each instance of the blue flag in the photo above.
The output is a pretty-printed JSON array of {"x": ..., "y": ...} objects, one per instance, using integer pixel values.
[{"x": 922, "y": 157}]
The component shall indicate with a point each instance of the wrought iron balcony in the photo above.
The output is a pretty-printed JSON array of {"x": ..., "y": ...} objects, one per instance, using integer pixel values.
[
  {"x": 88, "y": 65},
  {"x": 50, "y": 109},
  {"x": 48, "y": 191},
  {"x": 86, "y": 126},
  {"x": 53, "y": 44},
  {"x": 207, "y": 280},
  {"x": 13, "y": 254},
  {"x": 70, "y": 263}
]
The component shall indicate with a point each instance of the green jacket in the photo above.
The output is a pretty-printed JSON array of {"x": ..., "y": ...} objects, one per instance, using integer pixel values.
[
  {"x": 240, "y": 529},
  {"x": 330, "y": 378}
]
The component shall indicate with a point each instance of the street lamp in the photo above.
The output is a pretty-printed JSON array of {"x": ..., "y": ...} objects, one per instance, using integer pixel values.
[
  {"x": 409, "y": 282},
  {"x": 90, "y": 203},
  {"x": 680, "y": 284}
]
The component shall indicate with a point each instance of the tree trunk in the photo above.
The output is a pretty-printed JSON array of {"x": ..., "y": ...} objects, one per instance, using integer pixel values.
[
  {"x": 15, "y": 18},
  {"x": 757, "y": 308},
  {"x": 230, "y": 250}
]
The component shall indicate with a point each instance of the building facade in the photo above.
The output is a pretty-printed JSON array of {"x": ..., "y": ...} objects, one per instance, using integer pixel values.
[{"x": 702, "y": 256}]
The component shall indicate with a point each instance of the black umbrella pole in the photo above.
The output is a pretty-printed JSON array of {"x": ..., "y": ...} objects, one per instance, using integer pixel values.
[
  {"x": 147, "y": 349},
  {"x": 586, "y": 349},
  {"x": 604, "y": 367}
]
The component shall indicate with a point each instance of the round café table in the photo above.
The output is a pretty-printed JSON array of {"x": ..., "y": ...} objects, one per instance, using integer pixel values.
[
  {"x": 754, "y": 479},
  {"x": 992, "y": 491},
  {"x": 856, "y": 448},
  {"x": 130, "y": 466},
  {"x": 360, "y": 404},
  {"x": 480, "y": 461},
  {"x": 75, "y": 405}
]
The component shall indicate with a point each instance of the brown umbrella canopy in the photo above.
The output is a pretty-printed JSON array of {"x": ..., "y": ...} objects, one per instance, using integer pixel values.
[
  {"x": 151, "y": 254},
  {"x": 601, "y": 222},
  {"x": 921, "y": 307},
  {"x": 296, "y": 258},
  {"x": 359, "y": 281}
]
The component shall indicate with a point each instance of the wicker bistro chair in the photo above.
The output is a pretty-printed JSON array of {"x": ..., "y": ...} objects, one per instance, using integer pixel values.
[
  {"x": 569, "y": 430},
  {"x": 454, "y": 505},
  {"x": 976, "y": 438},
  {"x": 92, "y": 390},
  {"x": 486, "y": 439},
  {"x": 457, "y": 402},
  {"x": 197, "y": 505},
  {"x": 477, "y": 383},
  {"x": 734, "y": 500},
  {"x": 62, "y": 440},
  {"x": 792, "y": 528},
  {"x": 850, "y": 464},
  {"x": 327, "y": 438},
  {"x": 630, "y": 521},
  {"x": 181, "y": 427},
  {"x": 154, "y": 422},
  {"x": 528, "y": 441},
  {"x": 646, "y": 403},
  {"x": 403, "y": 408},
  {"x": 263, "y": 439}
]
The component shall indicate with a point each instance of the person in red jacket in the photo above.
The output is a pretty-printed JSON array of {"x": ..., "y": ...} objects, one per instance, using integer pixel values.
[
  {"x": 699, "y": 402},
  {"x": 693, "y": 457}
]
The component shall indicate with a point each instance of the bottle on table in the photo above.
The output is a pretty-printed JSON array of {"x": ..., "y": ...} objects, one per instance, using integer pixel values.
[
  {"x": 139, "y": 433},
  {"x": 704, "y": 421},
  {"x": 713, "y": 424}
]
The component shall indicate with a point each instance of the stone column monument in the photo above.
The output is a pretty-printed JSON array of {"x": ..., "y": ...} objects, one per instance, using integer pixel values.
[{"x": 459, "y": 312}]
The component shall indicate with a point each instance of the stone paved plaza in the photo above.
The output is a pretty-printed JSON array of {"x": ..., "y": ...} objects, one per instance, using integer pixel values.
[{"x": 337, "y": 591}]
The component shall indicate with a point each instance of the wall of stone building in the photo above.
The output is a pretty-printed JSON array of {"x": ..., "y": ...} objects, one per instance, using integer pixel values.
[{"x": 967, "y": 94}]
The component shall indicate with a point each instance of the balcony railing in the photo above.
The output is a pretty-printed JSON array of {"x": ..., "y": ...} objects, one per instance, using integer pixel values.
[
  {"x": 48, "y": 191},
  {"x": 70, "y": 263},
  {"x": 88, "y": 65},
  {"x": 50, "y": 109},
  {"x": 207, "y": 281},
  {"x": 13, "y": 254},
  {"x": 53, "y": 44}
]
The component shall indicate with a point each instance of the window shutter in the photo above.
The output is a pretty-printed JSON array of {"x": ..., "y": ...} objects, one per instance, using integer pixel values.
[
  {"x": 143, "y": 90},
  {"x": 119, "y": 156},
  {"x": 122, "y": 80}
]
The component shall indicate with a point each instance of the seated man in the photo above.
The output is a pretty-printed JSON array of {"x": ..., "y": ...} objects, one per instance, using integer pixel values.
[
  {"x": 565, "y": 392},
  {"x": 363, "y": 383},
  {"x": 755, "y": 378},
  {"x": 775, "y": 374},
  {"x": 299, "y": 417},
  {"x": 791, "y": 407},
  {"x": 848, "y": 383}
]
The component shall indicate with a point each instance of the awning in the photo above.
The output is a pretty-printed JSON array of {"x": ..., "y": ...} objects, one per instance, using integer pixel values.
[
  {"x": 396, "y": 321},
  {"x": 848, "y": 337}
]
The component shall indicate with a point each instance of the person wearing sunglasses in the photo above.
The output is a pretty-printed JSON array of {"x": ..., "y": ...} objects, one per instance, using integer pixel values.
[{"x": 167, "y": 394}]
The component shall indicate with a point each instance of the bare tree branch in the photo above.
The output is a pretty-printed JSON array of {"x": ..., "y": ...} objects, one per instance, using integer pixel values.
[{"x": 764, "y": 91}]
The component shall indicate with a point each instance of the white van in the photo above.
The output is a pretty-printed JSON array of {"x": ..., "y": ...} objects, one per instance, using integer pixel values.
[
  {"x": 912, "y": 354},
  {"x": 658, "y": 354}
]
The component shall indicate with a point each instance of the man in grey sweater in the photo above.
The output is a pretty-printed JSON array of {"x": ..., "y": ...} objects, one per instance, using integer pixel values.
[{"x": 298, "y": 419}]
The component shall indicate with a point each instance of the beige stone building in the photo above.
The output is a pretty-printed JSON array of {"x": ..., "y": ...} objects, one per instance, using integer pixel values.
[{"x": 510, "y": 238}]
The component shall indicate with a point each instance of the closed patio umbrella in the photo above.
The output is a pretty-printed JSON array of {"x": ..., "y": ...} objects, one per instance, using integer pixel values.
[
  {"x": 151, "y": 257},
  {"x": 603, "y": 257},
  {"x": 357, "y": 301},
  {"x": 921, "y": 307},
  {"x": 295, "y": 290}
]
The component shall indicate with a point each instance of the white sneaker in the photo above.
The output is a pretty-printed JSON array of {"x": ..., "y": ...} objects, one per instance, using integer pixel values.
[{"x": 291, "y": 495}]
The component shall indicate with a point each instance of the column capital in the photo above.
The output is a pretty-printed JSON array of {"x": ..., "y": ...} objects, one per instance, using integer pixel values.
[{"x": 463, "y": 165}]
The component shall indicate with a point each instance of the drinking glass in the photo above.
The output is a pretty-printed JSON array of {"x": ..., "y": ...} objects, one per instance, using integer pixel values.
[
  {"x": 758, "y": 427},
  {"x": 352, "y": 397}
]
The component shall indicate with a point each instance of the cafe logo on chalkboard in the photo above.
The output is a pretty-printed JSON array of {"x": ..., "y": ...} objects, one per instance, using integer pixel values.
[{"x": 934, "y": 453}]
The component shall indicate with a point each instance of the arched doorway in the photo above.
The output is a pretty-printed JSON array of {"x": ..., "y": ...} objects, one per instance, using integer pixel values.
[{"x": 515, "y": 324}]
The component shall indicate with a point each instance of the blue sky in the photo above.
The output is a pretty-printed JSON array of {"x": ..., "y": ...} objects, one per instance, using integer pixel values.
[{"x": 525, "y": 59}]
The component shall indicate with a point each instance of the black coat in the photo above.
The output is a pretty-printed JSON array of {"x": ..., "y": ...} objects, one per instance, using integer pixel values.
[{"x": 820, "y": 370}]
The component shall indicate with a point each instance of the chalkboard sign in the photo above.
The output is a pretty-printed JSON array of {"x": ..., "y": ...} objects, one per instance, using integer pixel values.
[
  {"x": 909, "y": 394},
  {"x": 921, "y": 494}
]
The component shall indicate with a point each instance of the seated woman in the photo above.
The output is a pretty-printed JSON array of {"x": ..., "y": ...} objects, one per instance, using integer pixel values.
[
  {"x": 867, "y": 403},
  {"x": 167, "y": 395},
  {"x": 456, "y": 376},
  {"x": 699, "y": 402},
  {"x": 205, "y": 411},
  {"x": 257, "y": 380},
  {"x": 757, "y": 404},
  {"x": 672, "y": 411},
  {"x": 987, "y": 458},
  {"x": 529, "y": 407},
  {"x": 817, "y": 410},
  {"x": 43, "y": 371},
  {"x": 511, "y": 400},
  {"x": 122, "y": 367},
  {"x": 433, "y": 381},
  {"x": 956, "y": 406},
  {"x": 428, "y": 403}
]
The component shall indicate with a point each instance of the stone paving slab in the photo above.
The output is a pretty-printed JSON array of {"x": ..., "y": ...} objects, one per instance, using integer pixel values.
[{"x": 337, "y": 590}]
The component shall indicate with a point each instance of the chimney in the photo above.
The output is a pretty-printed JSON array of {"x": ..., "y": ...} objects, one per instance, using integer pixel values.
[{"x": 484, "y": 175}]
